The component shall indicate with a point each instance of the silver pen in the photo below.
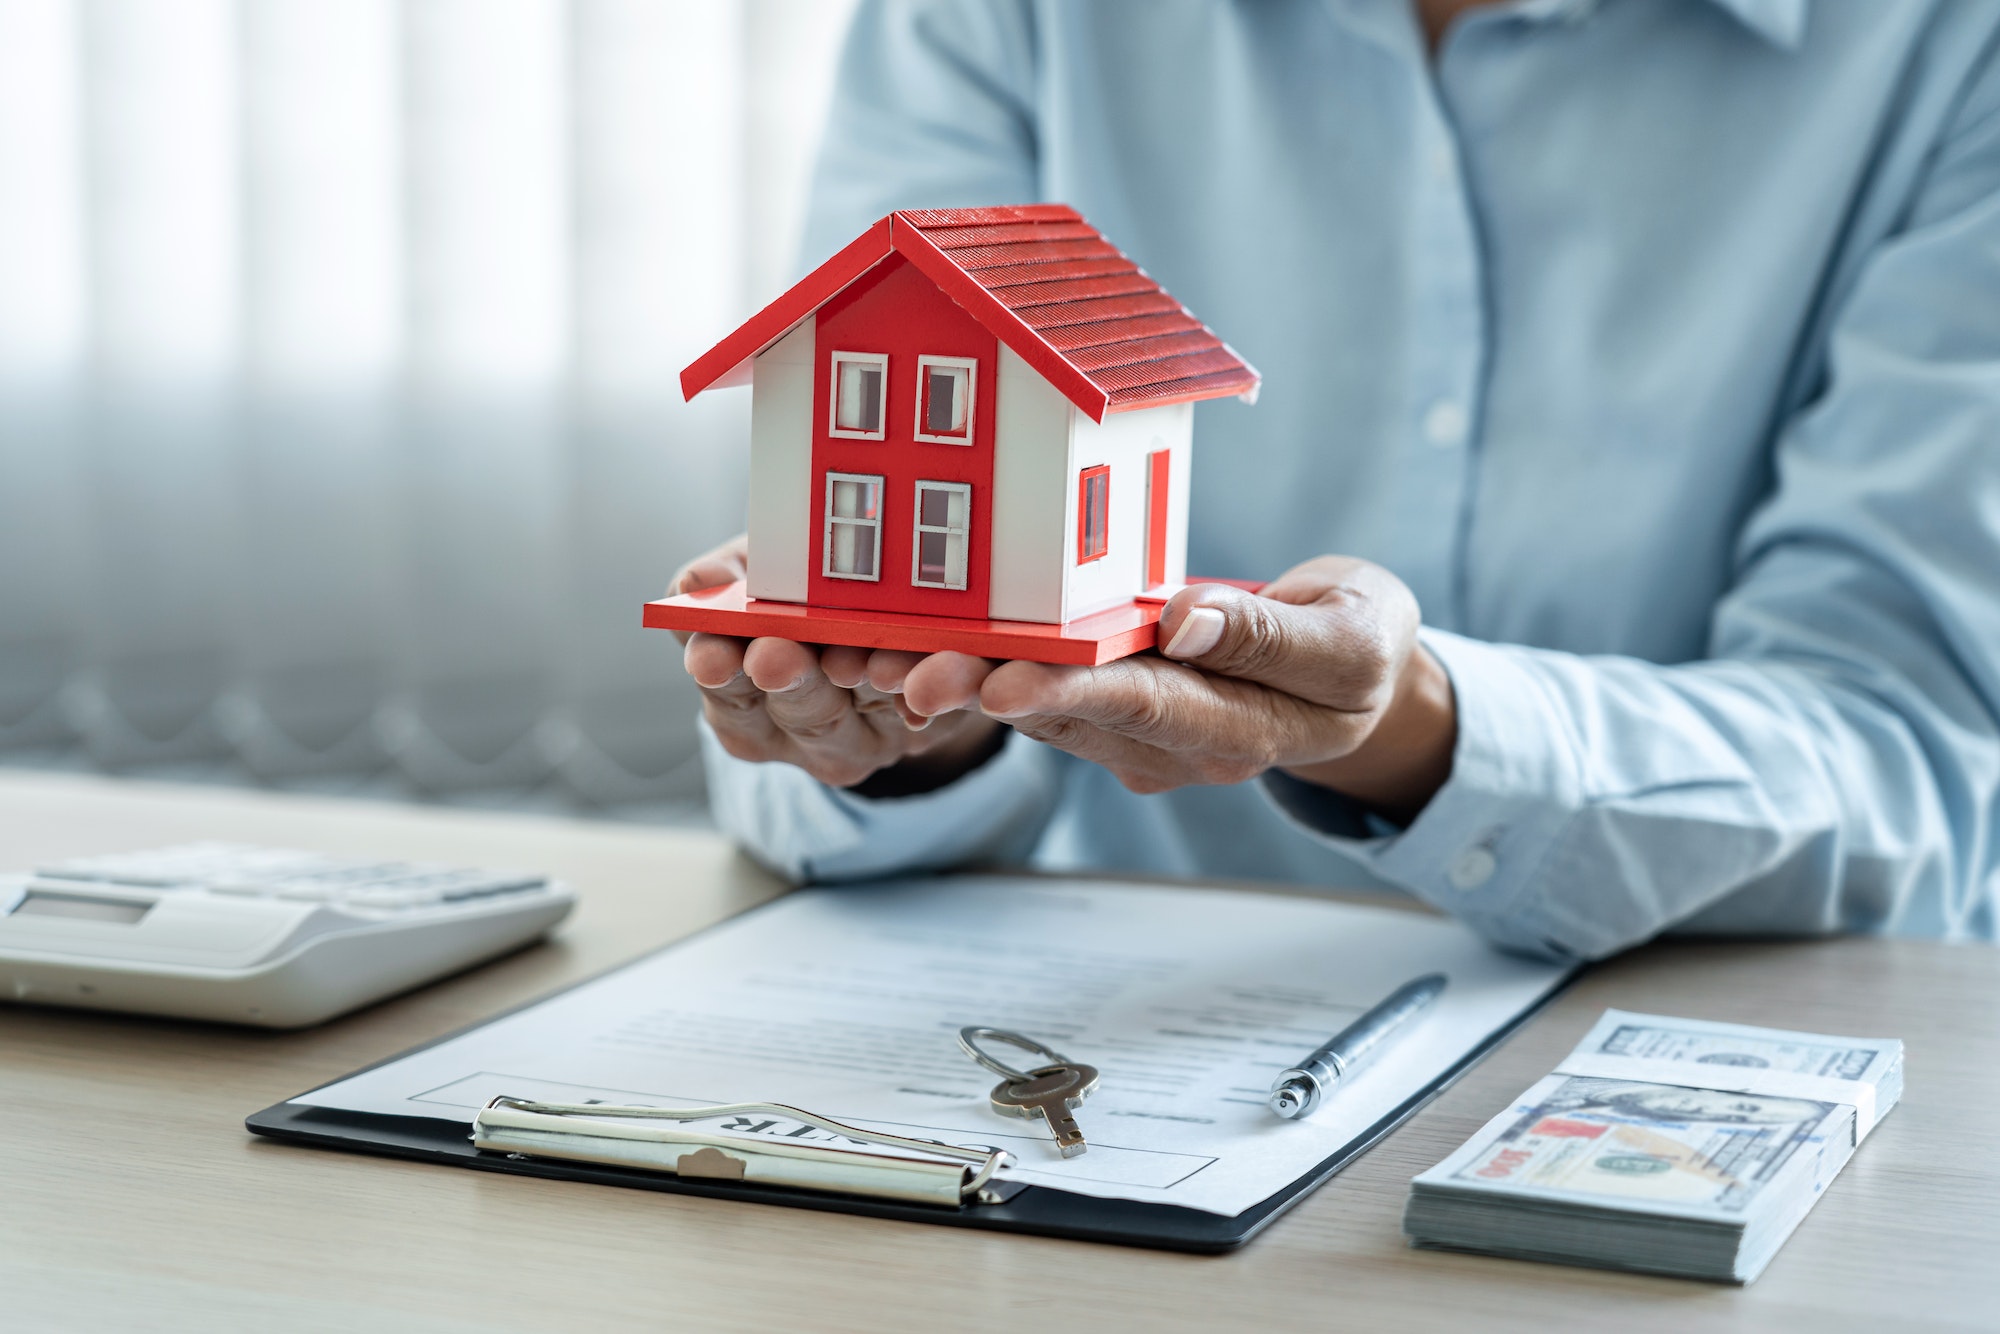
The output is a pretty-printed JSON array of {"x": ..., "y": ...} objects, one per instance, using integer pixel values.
[{"x": 1301, "y": 1089}]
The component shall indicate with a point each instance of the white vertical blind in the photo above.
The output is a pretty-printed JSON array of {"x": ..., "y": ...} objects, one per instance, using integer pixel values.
[
  {"x": 661, "y": 183},
  {"x": 160, "y": 180},
  {"x": 338, "y": 342},
  {"x": 487, "y": 92},
  {"x": 321, "y": 446},
  {"x": 43, "y": 331}
]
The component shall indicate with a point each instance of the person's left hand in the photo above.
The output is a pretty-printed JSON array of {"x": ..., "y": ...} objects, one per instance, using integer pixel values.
[{"x": 1320, "y": 674}]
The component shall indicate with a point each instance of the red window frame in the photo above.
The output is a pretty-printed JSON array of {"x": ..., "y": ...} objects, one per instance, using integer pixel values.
[{"x": 1100, "y": 474}]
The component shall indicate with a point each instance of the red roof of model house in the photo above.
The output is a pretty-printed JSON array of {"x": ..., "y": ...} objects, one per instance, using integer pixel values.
[{"x": 1042, "y": 281}]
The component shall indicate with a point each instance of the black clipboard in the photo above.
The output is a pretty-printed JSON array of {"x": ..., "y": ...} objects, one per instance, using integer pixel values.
[{"x": 1036, "y": 1210}]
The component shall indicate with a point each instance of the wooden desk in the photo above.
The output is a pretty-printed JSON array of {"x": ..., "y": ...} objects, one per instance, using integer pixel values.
[{"x": 133, "y": 1199}]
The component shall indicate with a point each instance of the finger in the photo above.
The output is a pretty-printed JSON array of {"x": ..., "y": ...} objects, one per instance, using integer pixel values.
[
  {"x": 1342, "y": 650},
  {"x": 779, "y": 665},
  {"x": 887, "y": 667},
  {"x": 1216, "y": 723},
  {"x": 914, "y": 721},
  {"x": 725, "y": 564},
  {"x": 714, "y": 661},
  {"x": 944, "y": 682},
  {"x": 731, "y": 701},
  {"x": 966, "y": 733},
  {"x": 1111, "y": 693},
  {"x": 796, "y": 694},
  {"x": 827, "y": 732},
  {"x": 844, "y": 665},
  {"x": 743, "y": 727},
  {"x": 1129, "y": 697},
  {"x": 888, "y": 714},
  {"x": 1311, "y": 580},
  {"x": 1140, "y": 767}
]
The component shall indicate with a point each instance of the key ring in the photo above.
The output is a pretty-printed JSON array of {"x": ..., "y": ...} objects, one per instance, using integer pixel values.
[{"x": 968, "y": 1041}]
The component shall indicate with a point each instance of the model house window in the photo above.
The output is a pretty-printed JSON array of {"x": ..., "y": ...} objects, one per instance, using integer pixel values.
[
  {"x": 853, "y": 526},
  {"x": 1093, "y": 514},
  {"x": 860, "y": 380},
  {"x": 944, "y": 400},
  {"x": 944, "y": 522}
]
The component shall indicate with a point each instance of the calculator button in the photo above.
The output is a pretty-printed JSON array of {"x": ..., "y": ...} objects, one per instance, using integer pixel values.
[
  {"x": 489, "y": 890},
  {"x": 409, "y": 878},
  {"x": 390, "y": 900},
  {"x": 242, "y": 871},
  {"x": 187, "y": 864}
]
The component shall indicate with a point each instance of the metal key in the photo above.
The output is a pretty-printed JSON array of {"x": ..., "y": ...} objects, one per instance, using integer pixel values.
[{"x": 1049, "y": 1092}]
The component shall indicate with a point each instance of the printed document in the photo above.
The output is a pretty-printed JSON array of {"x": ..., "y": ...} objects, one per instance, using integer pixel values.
[{"x": 847, "y": 1002}]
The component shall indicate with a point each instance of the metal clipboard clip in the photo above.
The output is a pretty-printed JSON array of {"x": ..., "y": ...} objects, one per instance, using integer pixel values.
[{"x": 596, "y": 1133}]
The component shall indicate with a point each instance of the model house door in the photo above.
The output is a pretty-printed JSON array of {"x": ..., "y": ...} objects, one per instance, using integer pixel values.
[{"x": 1157, "y": 478}]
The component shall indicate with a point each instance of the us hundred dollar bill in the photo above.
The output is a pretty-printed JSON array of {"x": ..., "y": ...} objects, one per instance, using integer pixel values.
[
  {"x": 1654, "y": 1038},
  {"x": 1656, "y": 1147},
  {"x": 1673, "y": 1146}
]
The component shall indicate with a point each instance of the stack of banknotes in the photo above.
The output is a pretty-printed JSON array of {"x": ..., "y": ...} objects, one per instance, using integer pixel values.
[{"x": 1672, "y": 1146}]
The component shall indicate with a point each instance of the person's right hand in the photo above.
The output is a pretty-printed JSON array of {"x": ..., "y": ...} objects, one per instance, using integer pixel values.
[{"x": 842, "y": 714}]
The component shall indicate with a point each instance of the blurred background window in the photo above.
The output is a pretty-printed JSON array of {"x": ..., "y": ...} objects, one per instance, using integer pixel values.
[{"x": 340, "y": 437}]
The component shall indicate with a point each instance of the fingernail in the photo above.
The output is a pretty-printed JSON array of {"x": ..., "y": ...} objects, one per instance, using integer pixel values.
[
  {"x": 920, "y": 723},
  {"x": 789, "y": 685},
  {"x": 1201, "y": 630}
]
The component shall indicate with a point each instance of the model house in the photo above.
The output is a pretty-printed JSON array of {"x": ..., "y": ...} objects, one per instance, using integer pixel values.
[{"x": 976, "y": 414}]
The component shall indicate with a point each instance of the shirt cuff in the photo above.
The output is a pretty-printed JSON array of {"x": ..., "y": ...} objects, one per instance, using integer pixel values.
[
  {"x": 1477, "y": 848},
  {"x": 805, "y": 830}
]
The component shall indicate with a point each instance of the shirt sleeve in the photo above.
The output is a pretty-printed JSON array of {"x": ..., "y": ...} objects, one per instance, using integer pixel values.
[
  {"x": 1834, "y": 764},
  {"x": 805, "y": 830}
]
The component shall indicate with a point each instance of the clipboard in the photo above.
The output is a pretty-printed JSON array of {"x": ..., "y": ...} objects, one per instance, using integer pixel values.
[{"x": 1001, "y": 1206}]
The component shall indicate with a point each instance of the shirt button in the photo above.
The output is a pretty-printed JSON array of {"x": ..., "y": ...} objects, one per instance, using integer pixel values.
[
  {"x": 1474, "y": 867},
  {"x": 1445, "y": 424}
]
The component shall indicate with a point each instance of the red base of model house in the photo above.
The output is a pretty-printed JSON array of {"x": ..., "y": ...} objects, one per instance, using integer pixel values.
[{"x": 1088, "y": 641}]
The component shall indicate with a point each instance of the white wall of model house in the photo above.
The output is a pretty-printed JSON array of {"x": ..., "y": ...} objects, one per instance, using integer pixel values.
[
  {"x": 1124, "y": 440},
  {"x": 1041, "y": 446},
  {"x": 781, "y": 482}
]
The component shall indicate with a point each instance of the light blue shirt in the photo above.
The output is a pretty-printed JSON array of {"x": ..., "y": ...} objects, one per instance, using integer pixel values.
[{"x": 1654, "y": 343}]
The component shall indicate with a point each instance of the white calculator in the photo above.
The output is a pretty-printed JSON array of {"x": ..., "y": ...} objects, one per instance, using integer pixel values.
[{"x": 250, "y": 935}]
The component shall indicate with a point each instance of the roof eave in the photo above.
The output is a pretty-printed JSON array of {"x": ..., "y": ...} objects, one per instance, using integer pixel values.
[{"x": 1246, "y": 396}]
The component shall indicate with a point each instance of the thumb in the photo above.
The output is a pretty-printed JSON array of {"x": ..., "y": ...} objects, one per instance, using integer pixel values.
[{"x": 1342, "y": 650}]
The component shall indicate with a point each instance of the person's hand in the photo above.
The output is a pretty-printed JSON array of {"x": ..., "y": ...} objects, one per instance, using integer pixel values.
[
  {"x": 1320, "y": 674},
  {"x": 845, "y": 715}
]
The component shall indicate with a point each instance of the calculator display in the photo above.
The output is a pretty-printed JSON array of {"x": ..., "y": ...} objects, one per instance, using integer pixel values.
[{"x": 40, "y": 903}]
